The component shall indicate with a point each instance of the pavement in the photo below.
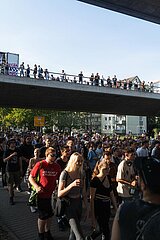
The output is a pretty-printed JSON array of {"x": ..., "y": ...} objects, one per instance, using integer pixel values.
[{"x": 20, "y": 224}]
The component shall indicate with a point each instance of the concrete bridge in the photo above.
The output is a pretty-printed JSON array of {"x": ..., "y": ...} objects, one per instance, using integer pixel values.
[
  {"x": 69, "y": 96},
  {"x": 148, "y": 10}
]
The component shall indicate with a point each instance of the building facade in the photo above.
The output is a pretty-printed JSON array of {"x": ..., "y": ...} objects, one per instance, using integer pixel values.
[
  {"x": 123, "y": 124},
  {"x": 120, "y": 124}
]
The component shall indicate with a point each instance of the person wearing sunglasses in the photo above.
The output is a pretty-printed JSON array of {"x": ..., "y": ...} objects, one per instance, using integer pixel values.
[{"x": 49, "y": 172}]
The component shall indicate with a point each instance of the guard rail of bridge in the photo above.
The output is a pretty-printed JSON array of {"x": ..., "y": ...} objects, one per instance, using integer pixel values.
[{"x": 70, "y": 78}]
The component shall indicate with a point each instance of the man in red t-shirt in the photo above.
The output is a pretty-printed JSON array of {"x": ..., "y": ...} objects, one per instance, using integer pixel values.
[{"x": 49, "y": 172}]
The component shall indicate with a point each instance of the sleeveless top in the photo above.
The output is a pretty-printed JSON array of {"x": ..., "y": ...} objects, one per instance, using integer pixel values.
[
  {"x": 102, "y": 192},
  {"x": 75, "y": 192}
]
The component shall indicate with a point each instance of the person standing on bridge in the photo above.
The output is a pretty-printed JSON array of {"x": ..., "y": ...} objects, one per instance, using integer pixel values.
[
  {"x": 28, "y": 71},
  {"x": 35, "y": 71},
  {"x": 22, "y": 70},
  {"x": 80, "y": 77}
]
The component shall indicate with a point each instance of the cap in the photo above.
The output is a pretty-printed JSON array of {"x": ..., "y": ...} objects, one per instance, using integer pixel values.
[{"x": 149, "y": 169}]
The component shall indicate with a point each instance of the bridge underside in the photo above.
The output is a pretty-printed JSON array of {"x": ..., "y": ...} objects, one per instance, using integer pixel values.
[
  {"x": 75, "y": 97},
  {"x": 148, "y": 10}
]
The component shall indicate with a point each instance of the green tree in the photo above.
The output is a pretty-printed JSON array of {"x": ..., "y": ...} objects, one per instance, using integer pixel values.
[
  {"x": 3, "y": 117},
  {"x": 19, "y": 117},
  {"x": 62, "y": 120}
]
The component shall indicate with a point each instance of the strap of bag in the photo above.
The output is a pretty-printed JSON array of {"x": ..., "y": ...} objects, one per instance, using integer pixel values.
[
  {"x": 38, "y": 174},
  {"x": 103, "y": 179},
  {"x": 66, "y": 177},
  {"x": 146, "y": 223}
]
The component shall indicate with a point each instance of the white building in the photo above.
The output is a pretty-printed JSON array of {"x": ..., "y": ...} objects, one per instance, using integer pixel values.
[{"x": 123, "y": 124}]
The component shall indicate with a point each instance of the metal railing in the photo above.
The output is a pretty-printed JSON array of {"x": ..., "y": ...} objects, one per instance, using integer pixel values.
[{"x": 76, "y": 79}]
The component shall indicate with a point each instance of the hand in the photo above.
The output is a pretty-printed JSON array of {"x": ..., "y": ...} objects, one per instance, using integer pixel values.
[
  {"x": 76, "y": 182},
  {"x": 134, "y": 183},
  {"x": 38, "y": 189}
]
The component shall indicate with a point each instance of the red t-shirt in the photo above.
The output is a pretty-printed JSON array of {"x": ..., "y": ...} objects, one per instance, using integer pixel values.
[{"x": 48, "y": 173}]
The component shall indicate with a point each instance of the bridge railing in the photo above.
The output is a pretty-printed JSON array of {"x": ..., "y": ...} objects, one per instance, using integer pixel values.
[{"x": 76, "y": 79}]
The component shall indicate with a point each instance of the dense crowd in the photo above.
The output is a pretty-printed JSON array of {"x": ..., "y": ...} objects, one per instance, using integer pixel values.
[{"x": 91, "y": 170}]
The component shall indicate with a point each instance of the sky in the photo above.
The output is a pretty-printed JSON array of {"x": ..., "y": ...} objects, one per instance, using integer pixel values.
[{"x": 74, "y": 36}]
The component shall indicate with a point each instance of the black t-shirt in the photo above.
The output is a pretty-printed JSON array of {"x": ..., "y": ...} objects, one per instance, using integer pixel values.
[
  {"x": 61, "y": 163},
  {"x": 27, "y": 150},
  {"x": 42, "y": 152},
  {"x": 13, "y": 164},
  {"x": 133, "y": 216}
]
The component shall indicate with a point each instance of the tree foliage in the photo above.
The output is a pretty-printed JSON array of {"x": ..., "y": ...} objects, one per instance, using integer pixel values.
[{"x": 22, "y": 118}]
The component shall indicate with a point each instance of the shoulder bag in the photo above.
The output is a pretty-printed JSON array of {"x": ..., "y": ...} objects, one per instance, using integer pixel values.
[
  {"x": 32, "y": 201},
  {"x": 62, "y": 203}
]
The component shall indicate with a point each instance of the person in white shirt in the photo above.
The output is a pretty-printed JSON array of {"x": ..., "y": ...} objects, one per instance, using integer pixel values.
[{"x": 143, "y": 150}]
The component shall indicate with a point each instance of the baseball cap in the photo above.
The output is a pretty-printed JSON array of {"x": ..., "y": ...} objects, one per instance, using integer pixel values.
[{"x": 149, "y": 169}]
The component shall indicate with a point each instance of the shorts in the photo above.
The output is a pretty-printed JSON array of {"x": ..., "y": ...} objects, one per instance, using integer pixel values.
[
  {"x": 13, "y": 178},
  {"x": 45, "y": 210}
]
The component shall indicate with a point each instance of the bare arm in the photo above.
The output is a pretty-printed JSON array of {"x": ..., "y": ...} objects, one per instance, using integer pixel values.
[
  {"x": 9, "y": 157},
  {"x": 115, "y": 230},
  {"x": 34, "y": 184},
  {"x": 133, "y": 183},
  {"x": 62, "y": 190}
]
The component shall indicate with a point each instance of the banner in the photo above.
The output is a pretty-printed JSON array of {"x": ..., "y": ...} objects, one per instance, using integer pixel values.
[
  {"x": 13, "y": 62},
  {"x": 13, "y": 69}
]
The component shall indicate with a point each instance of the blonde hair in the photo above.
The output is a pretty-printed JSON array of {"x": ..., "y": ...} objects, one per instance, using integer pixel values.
[{"x": 71, "y": 166}]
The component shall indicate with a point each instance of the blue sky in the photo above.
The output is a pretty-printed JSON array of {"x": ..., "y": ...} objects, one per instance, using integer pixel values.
[{"x": 71, "y": 35}]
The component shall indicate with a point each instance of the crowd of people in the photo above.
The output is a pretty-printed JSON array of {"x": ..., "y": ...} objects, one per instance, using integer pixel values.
[
  {"x": 94, "y": 80},
  {"x": 96, "y": 173}
]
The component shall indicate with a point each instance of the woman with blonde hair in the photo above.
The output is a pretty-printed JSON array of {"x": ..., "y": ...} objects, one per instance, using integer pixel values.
[
  {"x": 72, "y": 186},
  {"x": 101, "y": 194}
]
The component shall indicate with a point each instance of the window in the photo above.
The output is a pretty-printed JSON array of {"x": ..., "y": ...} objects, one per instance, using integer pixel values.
[{"x": 141, "y": 123}]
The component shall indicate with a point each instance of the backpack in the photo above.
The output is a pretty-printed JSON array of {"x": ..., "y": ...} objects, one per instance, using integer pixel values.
[{"x": 41, "y": 70}]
